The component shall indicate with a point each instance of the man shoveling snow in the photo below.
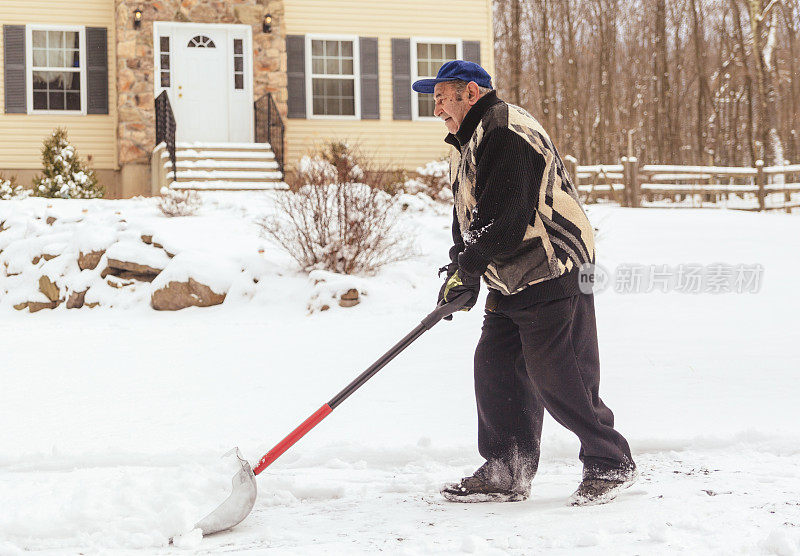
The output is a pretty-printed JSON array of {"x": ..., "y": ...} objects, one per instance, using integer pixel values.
[{"x": 519, "y": 224}]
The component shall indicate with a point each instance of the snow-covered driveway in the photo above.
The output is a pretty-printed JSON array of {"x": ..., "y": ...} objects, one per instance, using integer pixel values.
[{"x": 112, "y": 421}]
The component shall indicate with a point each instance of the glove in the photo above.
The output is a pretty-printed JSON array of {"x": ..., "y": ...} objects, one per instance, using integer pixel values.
[
  {"x": 449, "y": 269},
  {"x": 459, "y": 283}
]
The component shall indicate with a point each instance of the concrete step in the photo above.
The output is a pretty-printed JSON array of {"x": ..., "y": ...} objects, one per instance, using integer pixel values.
[
  {"x": 226, "y": 185},
  {"x": 234, "y": 175},
  {"x": 213, "y": 146},
  {"x": 222, "y": 165},
  {"x": 220, "y": 155}
]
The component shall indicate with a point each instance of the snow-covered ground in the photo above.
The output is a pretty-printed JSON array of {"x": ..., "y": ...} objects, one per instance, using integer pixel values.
[{"x": 113, "y": 420}]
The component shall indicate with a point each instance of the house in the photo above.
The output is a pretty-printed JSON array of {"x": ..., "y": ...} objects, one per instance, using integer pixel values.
[{"x": 249, "y": 85}]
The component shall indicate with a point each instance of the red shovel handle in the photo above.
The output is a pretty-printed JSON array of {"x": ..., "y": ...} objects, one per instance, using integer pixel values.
[
  {"x": 293, "y": 437},
  {"x": 427, "y": 323}
]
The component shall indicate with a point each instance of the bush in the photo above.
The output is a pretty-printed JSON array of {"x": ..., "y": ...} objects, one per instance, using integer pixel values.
[
  {"x": 336, "y": 217},
  {"x": 433, "y": 180},
  {"x": 176, "y": 202},
  {"x": 349, "y": 164},
  {"x": 64, "y": 174},
  {"x": 10, "y": 190}
]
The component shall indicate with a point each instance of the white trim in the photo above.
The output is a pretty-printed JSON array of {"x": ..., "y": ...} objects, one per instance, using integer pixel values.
[
  {"x": 356, "y": 76},
  {"x": 29, "y": 67},
  {"x": 157, "y": 34},
  {"x": 415, "y": 76},
  {"x": 164, "y": 28},
  {"x": 247, "y": 72},
  {"x": 233, "y": 31}
]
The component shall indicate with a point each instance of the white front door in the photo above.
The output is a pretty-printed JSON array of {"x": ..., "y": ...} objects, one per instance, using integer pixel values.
[{"x": 209, "y": 80}]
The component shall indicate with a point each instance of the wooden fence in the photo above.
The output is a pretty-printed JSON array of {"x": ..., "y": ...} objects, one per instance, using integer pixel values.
[{"x": 634, "y": 185}]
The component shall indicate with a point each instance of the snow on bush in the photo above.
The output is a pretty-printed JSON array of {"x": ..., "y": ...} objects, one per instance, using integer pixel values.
[
  {"x": 175, "y": 202},
  {"x": 335, "y": 217},
  {"x": 10, "y": 190},
  {"x": 432, "y": 180},
  {"x": 64, "y": 174}
]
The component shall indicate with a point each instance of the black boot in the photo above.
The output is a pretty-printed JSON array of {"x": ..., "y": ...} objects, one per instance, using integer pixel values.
[
  {"x": 492, "y": 482},
  {"x": 594, "y": 490}
]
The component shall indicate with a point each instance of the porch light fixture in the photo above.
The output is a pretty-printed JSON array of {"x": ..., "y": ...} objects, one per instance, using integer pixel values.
[
  {"x": 137, "y": 18},
  {"x": 267, "y": 25}
]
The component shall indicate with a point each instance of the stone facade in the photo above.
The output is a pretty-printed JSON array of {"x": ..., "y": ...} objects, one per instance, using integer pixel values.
[{"x": 135, "y": 60}]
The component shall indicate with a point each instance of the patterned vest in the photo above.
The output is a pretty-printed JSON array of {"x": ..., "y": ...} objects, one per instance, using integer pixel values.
[{"x": 559, "y": 236}]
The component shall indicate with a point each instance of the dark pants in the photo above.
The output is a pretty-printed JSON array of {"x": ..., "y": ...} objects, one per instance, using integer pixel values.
[{"x": 544, "y": 357}]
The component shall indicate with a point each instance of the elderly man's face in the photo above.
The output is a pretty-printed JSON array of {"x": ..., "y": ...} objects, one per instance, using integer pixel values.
[{"x": 451, "y": 106}]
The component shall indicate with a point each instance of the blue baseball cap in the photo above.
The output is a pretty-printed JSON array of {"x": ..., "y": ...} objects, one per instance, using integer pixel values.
[{"x": 456, "y": 70}]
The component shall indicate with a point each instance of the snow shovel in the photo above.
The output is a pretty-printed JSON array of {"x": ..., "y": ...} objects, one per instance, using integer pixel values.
[{"x": 243, "y": 496}]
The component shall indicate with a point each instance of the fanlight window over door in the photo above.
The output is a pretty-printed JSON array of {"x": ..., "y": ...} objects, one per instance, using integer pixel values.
[{"x": 201, "y": 41}]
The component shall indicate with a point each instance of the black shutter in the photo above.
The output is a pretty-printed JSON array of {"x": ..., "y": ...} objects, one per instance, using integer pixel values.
[
  {"x": 368, "y": 51},
  {"x": 401, "y": 79},
  {"x": 472, "y": 51},
  {"x": 296, "y": 74},
  {"x": 14, "y": 60},
  {"x": 96, "y": 70}
]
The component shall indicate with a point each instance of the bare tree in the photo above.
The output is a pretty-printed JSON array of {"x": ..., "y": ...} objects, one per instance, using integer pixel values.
[
  {"x": 790, "y": 10},
  {"x": 661, "y": 93},
  {"x": 762, "y": 38},
  {"x": 692, "y": 81}
]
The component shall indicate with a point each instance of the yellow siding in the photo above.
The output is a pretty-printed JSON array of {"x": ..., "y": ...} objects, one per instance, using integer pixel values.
[
  {"x": 21, "y": 135},
  {"x": 396, "y": 142}
]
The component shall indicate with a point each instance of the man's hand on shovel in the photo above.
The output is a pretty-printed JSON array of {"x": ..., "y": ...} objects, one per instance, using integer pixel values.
[{"x": 459, "y": 283}]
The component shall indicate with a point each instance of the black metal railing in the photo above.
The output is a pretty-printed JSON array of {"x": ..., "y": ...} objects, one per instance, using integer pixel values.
[
  {"x": 165, "y": 128},
  {"x": 269, "y": 126}
]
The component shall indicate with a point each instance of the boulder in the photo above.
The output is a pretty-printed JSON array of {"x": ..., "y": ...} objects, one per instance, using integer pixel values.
[
  {"x": 49, "y": 289},
  {"x": 349, "y": 298},
  {"x": 127, "y": 275},
  {"x": 179, "y": 295},
  {"x": 330, "y": 288},
  {"x": 45, "y": 256},
  {"x": 148, "y": 239},
  {"x": 116, "y": 267},
  {"x": 34, "y": 306},
  {"x": 76, "y": 300},
  {"x": 118, "y": 283},
  {"x": 50, "y": 220},
  {"x": 137, "y": 260},
  {"x": 90, "y": 260}
]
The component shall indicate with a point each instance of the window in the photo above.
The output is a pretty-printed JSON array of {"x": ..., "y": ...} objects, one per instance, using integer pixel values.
[
  {"x": 164, "y": 69},
  {"x": 201, "y": 41},
  {"x": 56, "y": 69},
  {"x": 334, "y": 82},
  {"x": 428, "y": 57},
  {"x": 238, "y": 64}
]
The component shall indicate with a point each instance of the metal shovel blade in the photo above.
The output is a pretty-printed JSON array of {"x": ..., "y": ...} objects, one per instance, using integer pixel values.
[{"x": 238, "y": 505}]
